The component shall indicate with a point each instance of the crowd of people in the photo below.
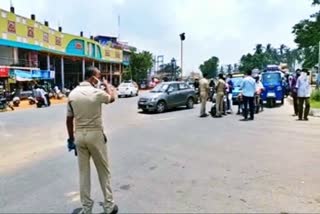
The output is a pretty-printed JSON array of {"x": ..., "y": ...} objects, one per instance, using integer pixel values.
[{"x": 249, "y": 100}]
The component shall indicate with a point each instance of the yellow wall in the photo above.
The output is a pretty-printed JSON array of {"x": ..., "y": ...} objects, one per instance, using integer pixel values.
[{"x": 21, "y": 35}]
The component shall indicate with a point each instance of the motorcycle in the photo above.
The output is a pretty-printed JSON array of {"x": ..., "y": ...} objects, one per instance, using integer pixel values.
[
  {"x": 40, "y": 102},
  {"x": 4, "y": 104},
  {"x": 213, "y": 111}
]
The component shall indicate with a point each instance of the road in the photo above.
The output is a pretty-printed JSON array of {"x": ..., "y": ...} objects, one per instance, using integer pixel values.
[{"x": 171, "y": 162}]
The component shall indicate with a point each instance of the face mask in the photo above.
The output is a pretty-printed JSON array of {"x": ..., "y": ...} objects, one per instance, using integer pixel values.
[{"x": 98, "y": 84}]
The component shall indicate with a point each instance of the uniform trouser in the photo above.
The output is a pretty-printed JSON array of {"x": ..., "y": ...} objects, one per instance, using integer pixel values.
[
  {"x": 92, "y": 144},
  {"x": 304, "y": 112},
  {"x": 250, "y": 101},
  {"x": 295, "y": 104},
  {"x": 204, "y": 99},
  {"x": 219, "y": 103}
]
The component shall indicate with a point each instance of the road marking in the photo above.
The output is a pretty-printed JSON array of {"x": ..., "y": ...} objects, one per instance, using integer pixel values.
[{"x": 168, "y": 118}]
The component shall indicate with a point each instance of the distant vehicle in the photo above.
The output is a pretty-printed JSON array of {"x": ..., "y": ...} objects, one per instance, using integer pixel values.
[
  {"x": 273, "y": 88},
  {"x": 237, "y": 82},
  {"x": 166, "y": 96},
  {"x": 127, "y": 90}
]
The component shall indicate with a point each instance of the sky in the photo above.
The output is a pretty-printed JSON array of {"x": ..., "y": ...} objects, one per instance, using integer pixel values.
[{"x": 223, "y": 28}]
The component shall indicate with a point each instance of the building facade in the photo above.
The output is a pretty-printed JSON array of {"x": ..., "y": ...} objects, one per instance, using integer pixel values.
[{"x": 32, "y": 50}]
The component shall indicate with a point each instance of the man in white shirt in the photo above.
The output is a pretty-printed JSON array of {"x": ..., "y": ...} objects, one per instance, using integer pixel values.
[
  {"x": 248, "y": 88},
  {"x": 304, "y": 92},
  {"x": 39, "y": 92}
]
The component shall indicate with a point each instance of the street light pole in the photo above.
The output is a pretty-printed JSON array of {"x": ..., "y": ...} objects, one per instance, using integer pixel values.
[
  {"x": 181, "y": 59},
  {"x": 182, "y": 38}
]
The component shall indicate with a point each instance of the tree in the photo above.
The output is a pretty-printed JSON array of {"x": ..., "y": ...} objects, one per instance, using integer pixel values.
[
  {"x": 140, "y": 64},
  {"x": 210, "y": 67},
  {"x": 307, "y": 36}
]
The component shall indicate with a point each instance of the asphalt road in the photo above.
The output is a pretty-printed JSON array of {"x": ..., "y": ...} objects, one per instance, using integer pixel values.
[{"x": 172, "y": 162}]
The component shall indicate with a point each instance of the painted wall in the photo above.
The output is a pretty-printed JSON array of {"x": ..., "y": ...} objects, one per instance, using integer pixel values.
[{"x": 18, "y": 31}]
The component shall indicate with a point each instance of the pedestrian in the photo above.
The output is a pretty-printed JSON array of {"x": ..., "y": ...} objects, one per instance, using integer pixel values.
[
  {"x": 204, "y": 92},
  {"x": 294, "y": 92},
  {"x": 259, "y": 90},
  {"x": 318, "y": 80},
  {"x": 84, "y": 109},
  {"x": 248, "y": 91},
  {"x": 229, "y": 93},
  {"x": 221, "y": 90},
  {"x": 40, "y": 93},
  {"x": 304, "y": 91}
]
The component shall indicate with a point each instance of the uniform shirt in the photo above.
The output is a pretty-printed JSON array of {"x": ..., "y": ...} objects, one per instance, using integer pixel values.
[
  {"x": 248, "y": 86},
  {"x": 84, "y": 104},
  {"x": 221, "y": 86},
  {"x": 303, "y": 86},
  {"x": 204, "y": 86}
]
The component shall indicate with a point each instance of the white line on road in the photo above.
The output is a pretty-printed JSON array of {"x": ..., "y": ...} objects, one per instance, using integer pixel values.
[{"x": 169, "y": 118}]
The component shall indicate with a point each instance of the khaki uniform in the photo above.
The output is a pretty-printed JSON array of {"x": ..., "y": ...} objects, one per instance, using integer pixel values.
[
  {"x": 85, "y": 103},
  {"x": 204, "y": 92},
  {"x": 221, "y": 88}
]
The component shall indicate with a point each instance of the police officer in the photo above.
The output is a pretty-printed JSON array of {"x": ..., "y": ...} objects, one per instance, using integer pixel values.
[
  {"x": 84, "y": 108},
  {"x": 204, "y": 92}
]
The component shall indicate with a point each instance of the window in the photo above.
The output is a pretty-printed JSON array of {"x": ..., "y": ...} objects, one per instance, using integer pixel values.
[
  {"x": 173, "y": 88},
  {"x": 183, "y": 86}
]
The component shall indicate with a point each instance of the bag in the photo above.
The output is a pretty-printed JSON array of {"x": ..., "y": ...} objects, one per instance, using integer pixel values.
[{"x": 213, "y": 111}]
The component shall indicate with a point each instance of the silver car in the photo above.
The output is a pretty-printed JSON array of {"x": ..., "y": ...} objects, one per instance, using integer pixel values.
[{"x": 167, "y": 95}]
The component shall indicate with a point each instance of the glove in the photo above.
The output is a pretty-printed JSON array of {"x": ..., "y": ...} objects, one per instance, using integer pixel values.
[{"x": 72, "y": 146}]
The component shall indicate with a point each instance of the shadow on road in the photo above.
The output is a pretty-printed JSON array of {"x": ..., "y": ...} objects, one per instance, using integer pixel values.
[{"x": 166, "y": 112}]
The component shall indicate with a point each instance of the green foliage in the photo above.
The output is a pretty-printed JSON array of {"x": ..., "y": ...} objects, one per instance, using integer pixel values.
[
  {"x": 210, "y": 67},
  {"x": 140, "y": 64},
  {"x": 264, "y": 56},
  {"x": 307, "y": 36},
  {"x": 315, "y": 95}
]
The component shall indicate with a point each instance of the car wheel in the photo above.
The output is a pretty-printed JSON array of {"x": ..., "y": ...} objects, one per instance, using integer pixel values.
[
  {"x": 190, "y": 103},
  {"x": 282, "y": 101},
  {"x": 161, "y": 107}
]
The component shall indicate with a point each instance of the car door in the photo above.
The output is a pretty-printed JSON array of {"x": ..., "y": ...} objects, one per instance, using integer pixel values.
[
  {"x": 173, "y": 94},
  {"x": 184, "y": 93}
]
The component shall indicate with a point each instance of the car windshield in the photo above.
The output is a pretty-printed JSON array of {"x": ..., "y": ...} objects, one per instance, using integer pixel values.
[
  {"x": 271, "y": 78},
  {"x": 237, "y": 81},
  {"x": 160, "y": 88}
]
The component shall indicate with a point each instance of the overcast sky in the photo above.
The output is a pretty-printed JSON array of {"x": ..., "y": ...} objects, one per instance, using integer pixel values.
[{"x": 223, "y": 28}]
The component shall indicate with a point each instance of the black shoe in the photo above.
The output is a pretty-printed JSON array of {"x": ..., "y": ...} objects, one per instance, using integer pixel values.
[
  {"x": 306, "y": 119},
  {"x": 204, "y": 115},
  {"x": 251, "y": 119},
  {"x": 115, "y": 209},
  {"x": 244, "y": 119},
  {"x": 300, "y": 119}
]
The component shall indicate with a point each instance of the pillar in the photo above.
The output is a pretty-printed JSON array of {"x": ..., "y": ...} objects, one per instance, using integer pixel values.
[
  {"x": 83, "y": 69},
  {"x": 62, "y": 73},
  {"x": 99, "y": 66},
  {"x": 48, "y": 62},
  {"x": 93, "y": 63},
  {"x": 15, "y": 56},
  {"x": 110, "y": 73},
  {"x": 120, "y": 71}
]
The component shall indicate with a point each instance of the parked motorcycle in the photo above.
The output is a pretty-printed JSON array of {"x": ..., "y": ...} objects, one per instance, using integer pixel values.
[
  {"x": 40, "y": 102},
  {"x": 4, "y": 104}
]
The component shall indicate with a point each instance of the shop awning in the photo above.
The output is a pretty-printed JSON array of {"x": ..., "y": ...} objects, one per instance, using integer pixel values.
[
  {"x": 21, "y": 74},
  {"x": 21, "y": 79}
]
